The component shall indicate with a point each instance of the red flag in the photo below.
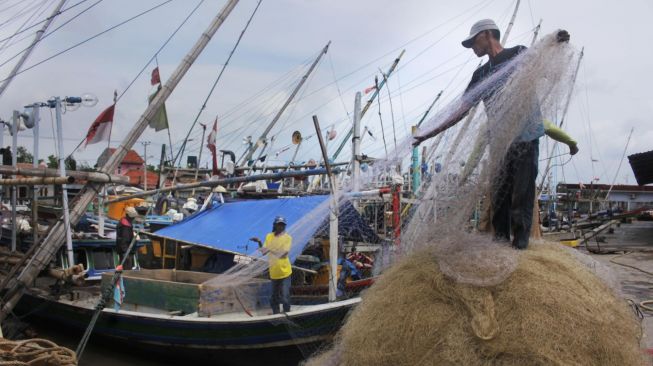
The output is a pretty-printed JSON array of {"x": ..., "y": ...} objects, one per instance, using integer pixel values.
[
  {"x": 211, "y": 144},
  {"x": 371, "y": 88},
  {"x": 100, "y": 130},
  {"x": 156, "y": 78}
]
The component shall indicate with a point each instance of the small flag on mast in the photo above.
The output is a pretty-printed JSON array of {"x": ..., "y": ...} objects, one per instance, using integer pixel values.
[
  {"x": 160, "y": 120},
  {"x": 370, "y": 89},
  {"x": 156, "y": 77},
  {"x": 100, "y": 130}
]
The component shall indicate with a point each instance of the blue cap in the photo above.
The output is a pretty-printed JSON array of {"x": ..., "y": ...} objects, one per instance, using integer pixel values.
[{"x": 279, "y": 220}]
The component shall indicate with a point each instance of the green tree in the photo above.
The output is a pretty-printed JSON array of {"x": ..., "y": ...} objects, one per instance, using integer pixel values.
[
  {"x": 70, "y": 163},
  {"x": 85, "y": 167},
  {"x": 24, "y": 156},
  {"x": 52, "y": 162}
]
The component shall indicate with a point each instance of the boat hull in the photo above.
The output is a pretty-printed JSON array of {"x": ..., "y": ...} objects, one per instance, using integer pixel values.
[{"x": 199, "y": 338}]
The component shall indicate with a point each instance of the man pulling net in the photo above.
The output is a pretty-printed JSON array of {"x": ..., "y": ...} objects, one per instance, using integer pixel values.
[{"x": 514, "y": 189}]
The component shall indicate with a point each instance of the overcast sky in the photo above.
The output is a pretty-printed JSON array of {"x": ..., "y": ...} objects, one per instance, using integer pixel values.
[{"x": 611, "y": 95}]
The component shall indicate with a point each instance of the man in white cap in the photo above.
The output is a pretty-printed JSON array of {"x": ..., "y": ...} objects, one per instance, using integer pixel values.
[
  {"x": 513, "y": 196},
  {"x": 125, "y": 234}
]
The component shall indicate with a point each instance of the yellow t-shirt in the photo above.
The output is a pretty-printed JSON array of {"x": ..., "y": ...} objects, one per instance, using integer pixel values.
[{"x": 279, "y": 267}]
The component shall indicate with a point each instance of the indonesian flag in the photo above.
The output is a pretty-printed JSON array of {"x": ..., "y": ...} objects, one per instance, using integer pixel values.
[
  {"x": 211, "y": 144},
  {"x": 100, "y": 130},
  {"x": 156, "y": 77}
]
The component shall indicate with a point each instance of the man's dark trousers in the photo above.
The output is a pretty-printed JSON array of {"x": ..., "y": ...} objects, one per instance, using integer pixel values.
[
  {"x": 280, "y": 295},
  {"x": 514, "y": 194}
]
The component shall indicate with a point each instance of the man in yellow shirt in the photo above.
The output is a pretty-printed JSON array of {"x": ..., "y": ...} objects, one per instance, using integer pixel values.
[{"x": 277, "y": 245}]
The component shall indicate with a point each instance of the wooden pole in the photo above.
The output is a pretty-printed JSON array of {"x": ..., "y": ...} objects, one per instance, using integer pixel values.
[
  {"x": 199, "y": 159},
  {"x": 14, "y": 162},
  {"x": 264, "y": 135},
  {"x": 37, "y": 181},
  {"x": 368, "y": 104},
  {"x": 55, "y": 237},
  {"x": 36, "y": 111},
  {"x": 224, "y": 181},
  {"x": 46, "y": 172},
  {"x": 333, "y": 218}
]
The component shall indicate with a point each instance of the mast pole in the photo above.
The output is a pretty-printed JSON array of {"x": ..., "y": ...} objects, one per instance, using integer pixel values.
[
  {"x": 536, "y": 32},
  {"x": 368, "y": 104},
  {"x": 262, "y": 140},
  {"x": 415, "y": 158},
  {"x": 199, "y": 159},
  {"x": 333, "y": 217},
  {"x": 510, "y": 24},
  {"x": 356, "y": 158}
]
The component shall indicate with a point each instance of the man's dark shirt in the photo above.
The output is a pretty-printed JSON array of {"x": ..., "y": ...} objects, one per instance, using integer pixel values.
[
  {"x": 490, "y": 67},
  {"x": 124, "y": 235},
  {"x": 533, "y": 127}
]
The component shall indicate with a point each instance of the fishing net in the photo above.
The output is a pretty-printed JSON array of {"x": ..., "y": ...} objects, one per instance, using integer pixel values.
[{"x": 549, "y": 311}]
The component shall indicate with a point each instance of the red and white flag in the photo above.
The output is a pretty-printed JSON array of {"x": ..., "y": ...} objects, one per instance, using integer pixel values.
[
  {"x": 368, "y": 90},
  {"x": 156, "y": 77},
  {"x": 100, "y": 130},
  {"x": 211, "y": 144}
]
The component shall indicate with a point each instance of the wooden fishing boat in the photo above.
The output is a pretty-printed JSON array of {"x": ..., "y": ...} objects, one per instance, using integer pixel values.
[{"x": 162, "y": 312}]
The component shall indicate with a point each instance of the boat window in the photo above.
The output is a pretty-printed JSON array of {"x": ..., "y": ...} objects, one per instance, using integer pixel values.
[{"x": 103, "y": 258}]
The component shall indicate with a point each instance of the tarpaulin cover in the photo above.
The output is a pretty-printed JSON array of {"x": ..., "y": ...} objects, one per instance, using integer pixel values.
[{"x": 228, "y": 227}]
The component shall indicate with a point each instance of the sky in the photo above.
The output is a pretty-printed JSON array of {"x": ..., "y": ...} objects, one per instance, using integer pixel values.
[{"x": 610, "y": 98}]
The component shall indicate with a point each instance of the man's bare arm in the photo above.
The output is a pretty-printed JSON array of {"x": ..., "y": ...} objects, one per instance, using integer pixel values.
[{"x": 450, "y": 122}]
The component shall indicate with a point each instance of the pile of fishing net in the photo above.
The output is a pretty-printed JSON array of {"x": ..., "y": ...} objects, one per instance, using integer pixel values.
[
  {"x": 35, "y": 352},
  {"x": 552, "y": 309}
]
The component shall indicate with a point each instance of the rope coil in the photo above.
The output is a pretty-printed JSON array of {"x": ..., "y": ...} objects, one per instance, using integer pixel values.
[{"x": 35, "y": 352}]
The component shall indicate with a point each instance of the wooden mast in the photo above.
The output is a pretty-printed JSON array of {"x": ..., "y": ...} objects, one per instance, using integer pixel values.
[
  {"x": 262, "y": 140},
  {"x": 368, "y": 104}
]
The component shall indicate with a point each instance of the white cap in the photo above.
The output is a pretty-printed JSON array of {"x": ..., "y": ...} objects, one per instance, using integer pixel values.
[
  {"x": 478, "y": 27},
  {"x": 131, "y": 212}
]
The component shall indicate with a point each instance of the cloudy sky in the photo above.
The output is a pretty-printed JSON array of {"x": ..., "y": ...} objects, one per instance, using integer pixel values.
[{"x": 611, "y": 95}]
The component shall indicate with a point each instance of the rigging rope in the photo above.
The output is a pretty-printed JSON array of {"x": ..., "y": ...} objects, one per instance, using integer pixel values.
[
  {"x": 150, "y": 60},
  {"x": 392, "y": 113},
  {"x": 50, "y": 33},
  {"x": 44, "y": 20},
  {"x": 6, "y": 44},
  {"x": 215, "y": 83}
]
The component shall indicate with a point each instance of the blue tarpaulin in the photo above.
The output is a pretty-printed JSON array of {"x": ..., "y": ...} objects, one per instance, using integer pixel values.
[{"x": 229, "y": 226}]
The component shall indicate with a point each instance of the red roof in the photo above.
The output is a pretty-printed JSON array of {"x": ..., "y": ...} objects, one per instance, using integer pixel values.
[
  {"x": 132, "y": 157},
  {"x": 136, "y": 178}
]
